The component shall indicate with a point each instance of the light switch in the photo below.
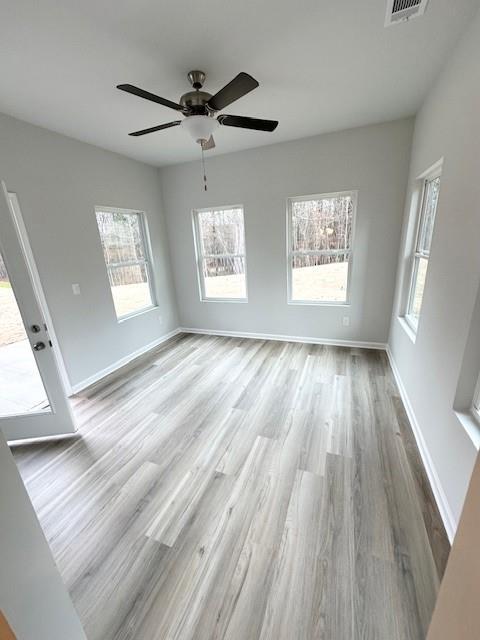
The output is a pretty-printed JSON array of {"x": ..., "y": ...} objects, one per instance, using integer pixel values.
[{"x": 76, "y": 289}]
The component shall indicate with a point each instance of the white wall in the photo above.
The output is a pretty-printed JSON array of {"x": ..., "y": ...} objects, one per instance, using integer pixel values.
[
  {"x": 457, "y": 614},
  {"x": 372, "y": 159},
  {"x": 448, "y": 125},
  {"x": 58, "y": 182},
  {"x": 32, "y": 594}
]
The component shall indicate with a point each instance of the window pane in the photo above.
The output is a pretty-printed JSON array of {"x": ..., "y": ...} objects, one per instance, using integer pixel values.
[
  {"x": 123, "y": 243},
  {"x": 322, "y": 224},
  {"x": 121, "y": 236},
  {"x": 224, "y": 277},
  {"x": 320, "y": 278},
  {"x": 130, "y": 289},
  {"x": 432, "y": 188},
  {"x": 418, "y": 286},
  {"x": 221, "y": 232},
  {"x": 476, "y": 401}
]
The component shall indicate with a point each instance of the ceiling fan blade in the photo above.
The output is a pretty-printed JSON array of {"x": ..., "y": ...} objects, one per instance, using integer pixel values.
[
  {"x": 248, "y": 123},
  {"x": 136, "y": 91},
  {"x": 157, "y": 128},
  {"x": 235, "y": 89},
  {"x": 209, "y": 144}
]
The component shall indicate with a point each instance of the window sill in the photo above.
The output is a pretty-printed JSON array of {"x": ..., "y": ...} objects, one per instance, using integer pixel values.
[
  {"x": 234, "y": 300},
  {"x": 313, "y": 303},
  {"x": 407, "y": 328},
  {"x": 135, "y": 314},
  {"x": 471, "y": 426}
]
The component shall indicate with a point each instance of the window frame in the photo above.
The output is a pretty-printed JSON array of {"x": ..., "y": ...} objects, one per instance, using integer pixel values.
[
  {"x": 200, "y": 257},
  {"x": 416, "y": 255},
  {"x": 353, "y": 193},
  {"x": 147, "y": 261}
]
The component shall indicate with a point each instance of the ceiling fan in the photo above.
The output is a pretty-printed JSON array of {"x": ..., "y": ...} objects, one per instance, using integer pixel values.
[{"x": 200, "y": 108}]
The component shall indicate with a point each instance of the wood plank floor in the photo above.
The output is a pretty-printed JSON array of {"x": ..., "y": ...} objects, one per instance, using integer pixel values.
[{"x": 237, "y": 489}]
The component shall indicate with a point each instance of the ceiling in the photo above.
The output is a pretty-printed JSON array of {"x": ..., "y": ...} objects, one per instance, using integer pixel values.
[{"x": 322, "y": 65}]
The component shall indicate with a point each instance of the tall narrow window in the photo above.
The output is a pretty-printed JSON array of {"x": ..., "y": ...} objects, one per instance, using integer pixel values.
[
  {"x": 421, "y": 253},
  {"x": 220, "y": 245},
  {"x": 127, "y": 256},
  {"x": 320, "y": 236}
]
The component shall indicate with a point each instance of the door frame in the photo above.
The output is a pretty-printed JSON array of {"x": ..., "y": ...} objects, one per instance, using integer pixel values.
[{"x": 37, "y": 285}]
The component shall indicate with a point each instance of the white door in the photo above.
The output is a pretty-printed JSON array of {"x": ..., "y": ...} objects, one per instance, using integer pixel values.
[{"x": 33, "y": 401}]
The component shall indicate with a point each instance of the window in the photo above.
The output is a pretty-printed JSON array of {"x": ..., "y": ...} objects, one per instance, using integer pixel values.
[
  {"x": 476, "y": 402},
  {"x": 126, "y": 249},
  {"x": 220, "y": 249},
  {"x": 421, "y": 254},
  {"x": 320, "y": 233}
]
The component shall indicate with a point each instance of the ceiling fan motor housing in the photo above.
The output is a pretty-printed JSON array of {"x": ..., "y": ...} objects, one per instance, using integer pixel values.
[{"x": 196, "y": 102}]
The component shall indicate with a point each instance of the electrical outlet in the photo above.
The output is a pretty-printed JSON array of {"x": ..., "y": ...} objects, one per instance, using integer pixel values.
[
  {"x": 160, "y": 319},
  {"x": 346, "y": 321},
  {"x": 76, "y": 289}
]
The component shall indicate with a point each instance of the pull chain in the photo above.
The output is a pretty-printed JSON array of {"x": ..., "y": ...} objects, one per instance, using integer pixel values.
[{"x": 203, "y": 168}]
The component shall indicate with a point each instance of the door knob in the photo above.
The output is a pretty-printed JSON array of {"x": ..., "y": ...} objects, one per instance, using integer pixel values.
[
  {"x": 35, "y": 328},
  {"x": 38, "y": 346}
]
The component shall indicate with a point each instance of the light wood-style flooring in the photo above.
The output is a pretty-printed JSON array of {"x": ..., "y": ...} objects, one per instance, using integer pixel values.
[{"x": 225, "y": 488}]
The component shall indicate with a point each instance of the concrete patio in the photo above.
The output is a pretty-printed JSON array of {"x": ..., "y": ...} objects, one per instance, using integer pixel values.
[{"x": 21, "y": 387}]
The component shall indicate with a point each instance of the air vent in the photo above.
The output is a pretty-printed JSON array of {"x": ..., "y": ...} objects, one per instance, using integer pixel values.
[{"x": 404, "y": 10}]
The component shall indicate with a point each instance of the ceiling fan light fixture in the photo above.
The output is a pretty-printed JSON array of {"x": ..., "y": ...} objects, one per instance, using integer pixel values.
[{"x": 200, "y": 128}]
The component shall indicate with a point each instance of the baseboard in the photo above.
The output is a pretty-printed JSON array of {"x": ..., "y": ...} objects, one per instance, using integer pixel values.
[
  {"x": 123, "y": 361},
  {"x": 283, "y": 338},
  {"x": 446, "y": 513},
  {"x": 76, "y": 388}
]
